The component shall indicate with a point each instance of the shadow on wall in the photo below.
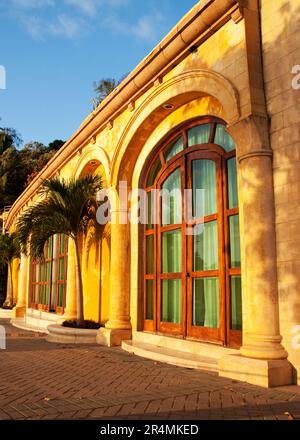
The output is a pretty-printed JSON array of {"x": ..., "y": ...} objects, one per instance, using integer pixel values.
[{"x": 282, "y": 52}]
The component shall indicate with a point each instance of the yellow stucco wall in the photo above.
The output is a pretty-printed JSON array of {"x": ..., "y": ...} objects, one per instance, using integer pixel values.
[{"x": 282, "y": 52}]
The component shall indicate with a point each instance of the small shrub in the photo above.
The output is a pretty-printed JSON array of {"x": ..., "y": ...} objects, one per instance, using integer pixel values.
[
  {"x": 8, "y": 307},
  {"x": 88, "y": 325}
]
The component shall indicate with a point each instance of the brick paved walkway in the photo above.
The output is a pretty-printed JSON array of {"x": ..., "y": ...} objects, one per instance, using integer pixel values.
[{"x": 44, "y": 381}]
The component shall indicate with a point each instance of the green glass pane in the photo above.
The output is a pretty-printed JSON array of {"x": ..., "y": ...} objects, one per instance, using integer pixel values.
[
  {"x": 235, "y": 249},
  {"x": 206, "y": 247},
  {"x": 205, "y": 179},
  {"x": 36, "y": 274},
  {"x": 149, "y": 299},
  {"x": 48, "y": 271},
  {"x": 149, "y": 210},
  {"x": 172, "y": 199},
  {"x": 47, "y": 294},
  {"x": 60, "y": 295},
  {"x": 41, "y": 295},
  {"x": 224, "y": 139},
  {"x": 61, "y": 269},
  {"x": 199, "y": 135},
  {"x": 174, "y": 148},
  {"x": 206, "y": 302},
  {"x": 233, "y": 199},
  {"x": 150, "y": 254},
  {"x": 236, "y": 303},
  {"x": 36, "y": 294},
  {"x": 62, "y": 244},
  {"x": 154, "y": 172},
  {"x": 42, "y": 272},
  {"x": 49, "y": 248},
  {"x": 171, "y": 301},
  {"x": 171, "y": 250}
]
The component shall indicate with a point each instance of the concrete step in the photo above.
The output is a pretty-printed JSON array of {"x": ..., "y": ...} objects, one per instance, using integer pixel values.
[
  {"x": 20, "y": 323},
  {"x": 170, "y": 356},
  {"x": 185, "y": 345}
]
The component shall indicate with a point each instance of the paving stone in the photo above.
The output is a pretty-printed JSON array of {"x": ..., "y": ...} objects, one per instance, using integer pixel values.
[{"x": 49, "y": 381}]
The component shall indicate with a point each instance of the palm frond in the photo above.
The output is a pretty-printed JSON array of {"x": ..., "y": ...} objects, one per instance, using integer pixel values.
[
  {"x": 9, "y": 248},
  {"x": 61, "y": 211}
]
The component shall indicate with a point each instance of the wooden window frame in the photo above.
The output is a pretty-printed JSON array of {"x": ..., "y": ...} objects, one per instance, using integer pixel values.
[
  {"x": 43, "y": 283},
  {"x": 224, "y": 335},
  {"x": 60, "y": 309}
]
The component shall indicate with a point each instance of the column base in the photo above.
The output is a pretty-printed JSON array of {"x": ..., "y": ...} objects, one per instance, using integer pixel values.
[
  {"x": 19, "y": 312},
  {"x": 265, "y": 373},
  {"x": 113, "y": 337}
]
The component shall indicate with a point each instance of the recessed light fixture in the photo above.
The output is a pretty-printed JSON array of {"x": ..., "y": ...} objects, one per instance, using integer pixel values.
[{"x": 168, "y": 106}]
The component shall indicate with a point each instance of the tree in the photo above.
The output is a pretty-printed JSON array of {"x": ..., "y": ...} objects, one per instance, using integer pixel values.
[
  {"x": 64, "y": 209},
  {"x": 55, "y": 145},
  {"x": 9, "y": 250},
  {"x": 104, "y": 88},
  {"x": 8, "y": 138},
  {"x": 10, "y": 176}
]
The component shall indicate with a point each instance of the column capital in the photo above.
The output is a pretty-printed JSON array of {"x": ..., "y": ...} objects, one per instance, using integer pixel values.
[
  {"x": 255, "y": 153},
  {"x": 251, "y": 135}
]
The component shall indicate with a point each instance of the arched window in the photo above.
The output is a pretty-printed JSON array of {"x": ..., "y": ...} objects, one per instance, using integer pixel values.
[
  {"x": 192, "y": 267},
  {"x": 48, "y": 278}
]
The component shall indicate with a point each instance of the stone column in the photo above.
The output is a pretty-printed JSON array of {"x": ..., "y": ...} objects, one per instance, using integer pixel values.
[
  {"x": 71, "y": 293},
  {"x": 118, "y": 328},
  {"x": 20, "y": 309},
  {"x": 12, "y": 282},
  {"x": 8, "y": 289},
  {"x": 262, "y": 358}
]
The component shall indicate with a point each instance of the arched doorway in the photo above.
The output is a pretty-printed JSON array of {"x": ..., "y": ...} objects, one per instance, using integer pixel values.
[{"x": 192, "y": 267}]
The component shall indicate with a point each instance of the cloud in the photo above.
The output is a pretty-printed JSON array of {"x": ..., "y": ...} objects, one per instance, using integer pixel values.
[
  {"x": 65, "y": 26},
  {"x": 73, "y": 18},
  {"x": 148, "y": 27},
  {"x": 89, "y": 7},
  {"x": 32, "y": 3},
  {"x": 33, "y": 26}
]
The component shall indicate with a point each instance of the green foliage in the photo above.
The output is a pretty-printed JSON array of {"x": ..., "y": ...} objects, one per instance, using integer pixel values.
[
  {"x": 87, "y": 325},
  {"x": 64, "y": 208},
  {"x": 61, "y": 211},
  {"x": 18, "y": 167},
  {"x": 55, "y": 145},
  {"x": 9, "y": 248},
  {"x": 8, "y": 138},
  {"x": 104, "y": 88}
]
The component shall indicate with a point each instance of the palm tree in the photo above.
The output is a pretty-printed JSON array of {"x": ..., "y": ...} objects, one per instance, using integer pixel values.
[
  {"x": 104, "y": 88},
  {"x": 64, "y": 209},
  {"x": 9, "y": 250}
]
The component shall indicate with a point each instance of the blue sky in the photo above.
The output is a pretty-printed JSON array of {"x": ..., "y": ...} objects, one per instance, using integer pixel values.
[{"x": 53, "y": 51}]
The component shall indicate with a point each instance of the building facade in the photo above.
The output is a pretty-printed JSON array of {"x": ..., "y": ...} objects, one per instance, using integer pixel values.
[{"x": 213, "y": 107}]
